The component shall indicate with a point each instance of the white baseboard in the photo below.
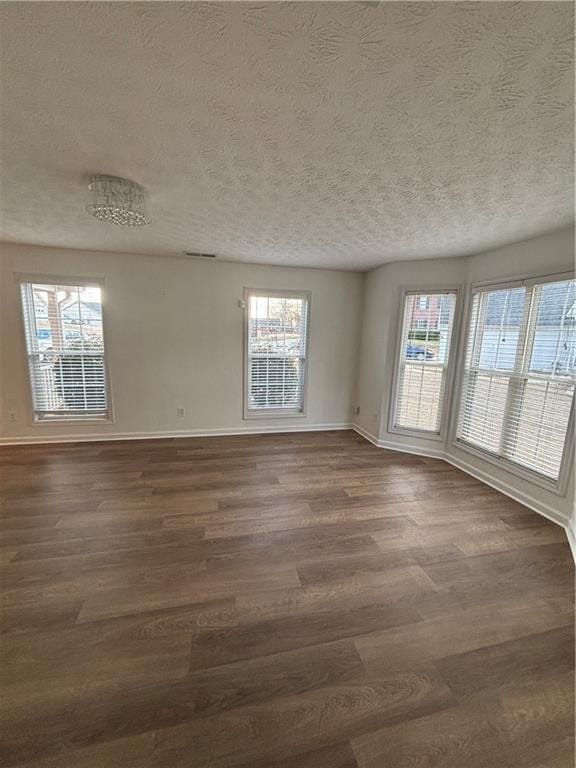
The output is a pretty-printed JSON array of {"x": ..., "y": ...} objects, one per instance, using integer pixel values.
[
  {"x": 429, "y": 453},
  {"x": 571, "y": 535},
  {"x": 103, "y": 436},
  {"x": 508, "y": 490},
  {"x": 390, "y": 445},
  {"x": 364, "y": 433},
  {"x": 523, "y": 498}
]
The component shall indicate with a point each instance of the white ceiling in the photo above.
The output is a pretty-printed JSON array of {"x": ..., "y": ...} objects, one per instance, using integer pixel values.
[{"x": 314, "y": 134}]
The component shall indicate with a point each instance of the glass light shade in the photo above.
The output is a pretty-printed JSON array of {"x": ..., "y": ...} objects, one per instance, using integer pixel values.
[{"x": 119, "y": 201}]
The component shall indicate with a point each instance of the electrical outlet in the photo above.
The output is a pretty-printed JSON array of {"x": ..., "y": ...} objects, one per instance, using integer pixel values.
[
  {"x": 12, "y": 415},
  {"x": 180, "y": 411}
]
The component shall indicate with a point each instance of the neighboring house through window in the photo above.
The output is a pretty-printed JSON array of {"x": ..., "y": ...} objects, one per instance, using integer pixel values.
[
  {"x": 520, "y": 373},
  {"x": 276, "y": 352},
  {"x": 422, "y": 368},
  {"x": 65, "y": 348}
]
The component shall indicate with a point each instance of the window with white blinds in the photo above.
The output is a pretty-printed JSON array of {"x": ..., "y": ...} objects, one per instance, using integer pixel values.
[
  {"x": 520, "y": 373},
  {"x": 65, "y": 347},
  {"x": 423, "y": 362},
  {"x": 276, "y": 351}
]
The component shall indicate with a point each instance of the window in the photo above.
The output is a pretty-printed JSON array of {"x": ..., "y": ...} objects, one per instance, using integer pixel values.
[
  {"x": 276, "y": 350},
  {"x": 520, "y": 372},
  {"x": 423, "y": 365},
  {"x": 65, "y": 346}
]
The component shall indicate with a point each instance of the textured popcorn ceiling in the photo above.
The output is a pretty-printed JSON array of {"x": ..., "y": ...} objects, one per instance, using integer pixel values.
[{"x": 316, "y": 134}]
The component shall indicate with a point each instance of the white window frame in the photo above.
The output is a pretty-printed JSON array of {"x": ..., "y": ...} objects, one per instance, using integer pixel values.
[
  {"x": 268, "y": 413},
  {"x": 559, "y": 486},
  {"x": 441, "y": 435},
  {"x": 46, "y": 279}
]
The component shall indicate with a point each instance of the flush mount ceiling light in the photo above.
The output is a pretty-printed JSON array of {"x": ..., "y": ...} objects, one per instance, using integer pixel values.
[{"x": 119, "y": 201}]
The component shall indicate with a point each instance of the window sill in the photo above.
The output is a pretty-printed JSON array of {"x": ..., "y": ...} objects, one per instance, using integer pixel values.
[
  {"x": 286, "y": 414},
  {"x": 60, "y": 421},
  {"x": 558, "y": 487},
  {"x": 417, "y": 433}
]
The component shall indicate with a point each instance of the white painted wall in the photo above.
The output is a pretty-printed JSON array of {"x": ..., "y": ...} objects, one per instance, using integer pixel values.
[
  {"x": 175, "y": 339},
  {"x": 382, "y": 309},
  {"x": 571, "y": 533},
  {"x": 543, "y": 255}
]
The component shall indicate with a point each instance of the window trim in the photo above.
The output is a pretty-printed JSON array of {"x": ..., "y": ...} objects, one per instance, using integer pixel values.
[
  {"x": 558, "y": 487},
  {"x": 40, "y": 278},
  {"x": 273, "y": 413},
  {"x": 441, "y": 435}
]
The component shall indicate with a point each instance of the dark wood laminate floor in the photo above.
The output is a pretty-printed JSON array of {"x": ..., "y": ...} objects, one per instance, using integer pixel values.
[{"x": 281, "y": 601}]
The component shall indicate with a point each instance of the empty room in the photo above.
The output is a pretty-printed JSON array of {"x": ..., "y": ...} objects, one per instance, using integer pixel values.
[{"x": 287, "y": 375}]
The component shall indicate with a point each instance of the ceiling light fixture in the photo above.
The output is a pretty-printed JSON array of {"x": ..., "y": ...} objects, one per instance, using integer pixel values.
[{"x": 119, "y": 201}]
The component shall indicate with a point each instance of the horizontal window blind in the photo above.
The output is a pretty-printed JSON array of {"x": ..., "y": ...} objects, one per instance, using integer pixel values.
[
  {"x": 520, "y": 373},
  {"x": 423, "y": 364},
  {"x": 276, "y": 347},
  {"x": 65, "y": 346}
]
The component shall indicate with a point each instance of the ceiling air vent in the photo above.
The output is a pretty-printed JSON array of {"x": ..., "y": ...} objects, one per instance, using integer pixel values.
[{"x": 200, "y": 255}]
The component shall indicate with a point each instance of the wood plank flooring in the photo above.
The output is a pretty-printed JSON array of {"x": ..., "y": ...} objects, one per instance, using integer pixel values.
[{"x": 281, "y": 601}]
